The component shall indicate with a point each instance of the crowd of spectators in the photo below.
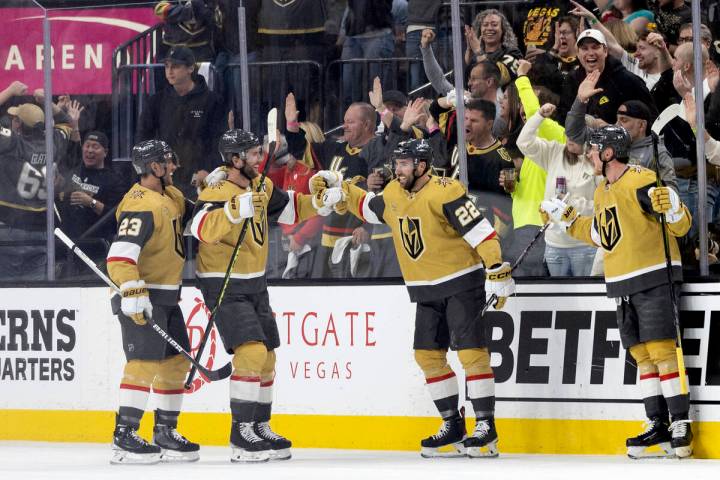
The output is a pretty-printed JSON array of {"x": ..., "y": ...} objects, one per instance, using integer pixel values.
[{"x": 597, "y": 62}]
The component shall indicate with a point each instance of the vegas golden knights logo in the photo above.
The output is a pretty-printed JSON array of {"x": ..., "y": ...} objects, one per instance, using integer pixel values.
[
  {"x": 608, "y": 226},
  {"x": 412, "y": 237},
  {"x": 259, "y": 228}
]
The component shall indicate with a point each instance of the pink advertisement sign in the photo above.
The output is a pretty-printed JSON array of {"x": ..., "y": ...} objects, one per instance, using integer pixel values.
[{"x": 82, "y": 40}]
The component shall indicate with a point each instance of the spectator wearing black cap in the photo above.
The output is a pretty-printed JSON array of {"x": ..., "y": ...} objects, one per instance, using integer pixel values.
[
  {"x": 90, "y": 191},
  {"x": 636, "y": 118},
  {"x": 609, "y": 83},
  {"x": 189, "y": 117}
]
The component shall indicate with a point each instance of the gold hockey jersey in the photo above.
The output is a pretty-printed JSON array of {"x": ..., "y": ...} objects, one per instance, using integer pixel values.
[
  {"x": 435, "y": 232},
  {"x": 149, "y": 244},
  {"x": 625, "y": 226},
  {"x": 218, "y": 235}
]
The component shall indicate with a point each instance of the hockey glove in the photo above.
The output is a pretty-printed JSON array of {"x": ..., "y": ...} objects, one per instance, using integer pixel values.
[
  {"x": 135, "y": 301},
  {"x": 325, "y": 200},
  {"x": 323, "y": 179},
  {"x": 500, "y": 283},
  {"x": 559, "y": 212},
  {"x": 240, "y": 207},
  {"x": 213, "y": 178},
  {"x": 665, "y": 200}
]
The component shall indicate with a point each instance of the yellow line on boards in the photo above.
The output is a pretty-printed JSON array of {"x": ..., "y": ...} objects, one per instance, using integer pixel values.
[{"x": 517, "y": 435}]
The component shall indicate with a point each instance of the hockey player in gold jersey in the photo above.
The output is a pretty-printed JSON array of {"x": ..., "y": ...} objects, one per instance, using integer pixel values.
[
  {"x": 446, "y": 249},
  {"x": 146, "y": 261},
  {"x": 244, "y": 319},
  {"x": 626, "y": 225}
]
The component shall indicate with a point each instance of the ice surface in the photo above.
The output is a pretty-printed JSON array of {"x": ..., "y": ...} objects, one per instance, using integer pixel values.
[{"x": 34, "y": 460}]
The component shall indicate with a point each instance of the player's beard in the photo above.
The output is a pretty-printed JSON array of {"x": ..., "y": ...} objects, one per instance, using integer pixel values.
[{"x": 248, "y": 171}]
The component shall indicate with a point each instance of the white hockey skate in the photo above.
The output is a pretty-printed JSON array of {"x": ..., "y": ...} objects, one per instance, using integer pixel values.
[
  {"x": 246, "y": 445},
  {"x": 483, "y": 441},
  {"x": 653, "y": 442},
  {"x": 448, "y": 442}
]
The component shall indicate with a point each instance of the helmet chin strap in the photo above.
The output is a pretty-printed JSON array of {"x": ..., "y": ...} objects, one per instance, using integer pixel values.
[{"x": 161, "y": 177}]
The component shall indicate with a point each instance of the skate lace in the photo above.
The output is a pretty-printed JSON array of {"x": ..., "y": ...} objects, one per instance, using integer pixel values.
[
  {"x": 266, "y": 432},
  {"x": 134, "y": 435},
  {"x": 679, "y": 428},
  {"x": 482, "y": 427},
  {"x": 247, "y": 432},
  {"x": 444, "y": 429},
  {"x": 179, "y": 438},
  {"x": 649, "y": 425}
]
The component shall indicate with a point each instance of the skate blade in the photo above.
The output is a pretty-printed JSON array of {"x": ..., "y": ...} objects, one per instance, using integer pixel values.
[
  {"x": 243, "y": 456},
  {"x": 173, "y": 456},
  {"x": 661, "y": 450},
  {"x": 121, "y": 457},
  {"x": 683, "y": 452},
  {"x": 282, "y": 454},
  {"x": 487, "y": 451},
  {"x": 448, "y": 451}
]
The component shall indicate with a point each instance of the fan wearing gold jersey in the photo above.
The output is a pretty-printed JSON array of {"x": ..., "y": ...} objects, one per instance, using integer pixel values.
[
  {"x": 442, "y": 243},
  {"x": 146, "y": 261},
  {"x": 626, "y": 224},
  {"x": 244, "y": 319}
]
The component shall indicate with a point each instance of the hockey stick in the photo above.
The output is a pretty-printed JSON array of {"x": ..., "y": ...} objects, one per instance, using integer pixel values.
[
  {"x": 657, "y": 127},
  {"x": 212, "y": 375},
  {"x": 272, "y": 138},
  {"x": 493, "y": 298}
]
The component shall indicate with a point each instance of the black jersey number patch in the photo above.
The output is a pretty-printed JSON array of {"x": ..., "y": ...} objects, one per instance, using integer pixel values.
[
  {"x": 411, "y": 234},
  {"x": 467, "y": 213},
  {"x": 609, "y": 229},
  {"x": 129, "y": 227}
]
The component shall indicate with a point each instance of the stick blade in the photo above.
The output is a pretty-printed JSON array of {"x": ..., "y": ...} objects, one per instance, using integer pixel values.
[
  {"x": 664, "y": 118},
  {"x": 215, "y": 375},
  {"x": 272, "y": 125}
]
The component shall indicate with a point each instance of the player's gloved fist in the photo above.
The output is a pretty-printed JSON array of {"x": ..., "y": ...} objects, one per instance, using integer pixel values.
[
  {"x": 544, "y": 215},
  {"x": 316, "y": 184},
  {"x": 499, "y": 282},
  {"x": 559, "y": 211},
  {"x": 329, "y": 179},
  {"x": 665, "y": 200},
  {"x": 214, "y": 177},
  {"x": 240, "y": 207},
  {"x": 135, "y": 301},
  {"x": 325, "y": 200}
]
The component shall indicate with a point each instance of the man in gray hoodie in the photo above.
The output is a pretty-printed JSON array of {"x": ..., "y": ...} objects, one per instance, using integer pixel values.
[{"x": 636, "y": 118}]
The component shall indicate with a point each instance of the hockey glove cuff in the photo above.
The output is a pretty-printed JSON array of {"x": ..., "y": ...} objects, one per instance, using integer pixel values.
[
  {"x": 240, "y": 207},
  {"x": 559, "y": 212},
  {"x": 499, "y": 282},
  {"x": 135, "y": 301}
]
